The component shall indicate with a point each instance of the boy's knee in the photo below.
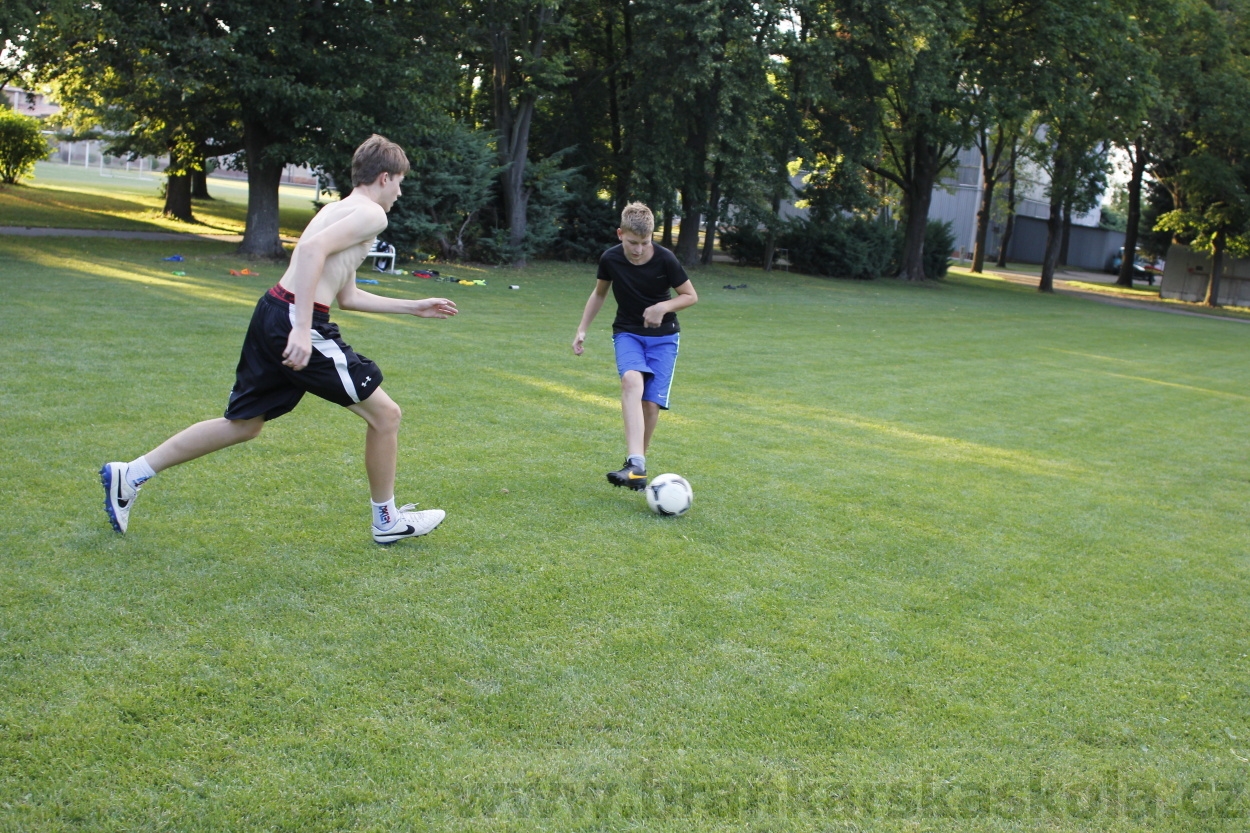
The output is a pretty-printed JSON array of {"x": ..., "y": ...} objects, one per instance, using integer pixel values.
[
  {"x": 249, "y": 429},
  {"x": 388, "y": 417},
  {"x": 631, "y": 380}
]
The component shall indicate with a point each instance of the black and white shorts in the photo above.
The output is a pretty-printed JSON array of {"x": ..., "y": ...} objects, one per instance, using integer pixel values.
[{"x": 264, "y": 386}]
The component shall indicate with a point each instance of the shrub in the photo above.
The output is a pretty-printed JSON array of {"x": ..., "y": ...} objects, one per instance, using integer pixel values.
[
  {"x": 451, "y": 181},
  {"x": 745, "y": 243},
  {"x": 21, "y": 146},
  {"x": 939, "y": 239},
  {"x": 842, "y": 247},
  {"x": 587, "y": 225}
]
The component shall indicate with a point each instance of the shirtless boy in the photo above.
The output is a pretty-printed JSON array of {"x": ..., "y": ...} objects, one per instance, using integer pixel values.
[{"x": 291, "y": 348}]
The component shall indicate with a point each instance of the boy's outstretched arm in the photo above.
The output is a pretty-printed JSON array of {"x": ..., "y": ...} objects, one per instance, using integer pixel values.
[
  {"x": 352, "y": 297},
  {"x": 593, "y": 304}
]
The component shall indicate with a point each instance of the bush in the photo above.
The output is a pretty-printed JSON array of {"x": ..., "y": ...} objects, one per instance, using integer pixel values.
[
  {"x": 451, "y": 181},
  {"x": 587, "y": 225},
  {"x": 843, "y": 247},
  {"x": 939, "y": 239},
  {"x": 744, "y": 243},
  {"x": 21, "y": 146}
]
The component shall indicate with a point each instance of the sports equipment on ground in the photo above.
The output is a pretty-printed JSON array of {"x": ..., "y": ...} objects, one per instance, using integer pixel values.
[
  {"x": 119, "y": 495},
  {"x": 409, "y": 524},
  {"x": 630, "y": 476},
  {"x": 669, "y": 494}
]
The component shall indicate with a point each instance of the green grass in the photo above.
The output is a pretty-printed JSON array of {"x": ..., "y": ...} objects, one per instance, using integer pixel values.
[
  {"x": 69, "y": 196},
  {"x": 962, "y": 558}
]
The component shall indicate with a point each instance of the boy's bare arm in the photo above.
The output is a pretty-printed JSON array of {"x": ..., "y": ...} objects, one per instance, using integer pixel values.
[
  {"x": 593, "y": 304},
  {"x": 351, "y": 297},
  {"x": 653, "y": 316},
  {"x": 308, "y": 263}
]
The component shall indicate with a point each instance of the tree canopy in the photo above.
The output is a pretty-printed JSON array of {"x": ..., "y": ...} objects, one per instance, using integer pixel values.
[{"x": 712, "y": 111}]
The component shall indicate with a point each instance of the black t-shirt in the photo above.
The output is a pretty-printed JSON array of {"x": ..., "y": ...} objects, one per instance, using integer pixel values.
[{"x": 638, "y": 287}]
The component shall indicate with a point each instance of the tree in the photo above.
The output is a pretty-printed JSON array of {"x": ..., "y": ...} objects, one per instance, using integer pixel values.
[
  {"x": 1203, "y": 147},
  {"x": 512, "y": 38},
  {"x": 693, "y": 114},
  {"x": 923, "y": 56},
  {"x": 283, "y": 82},
  {"x": 1086, "y": 67},
  {"x": 21, "y": 146}
]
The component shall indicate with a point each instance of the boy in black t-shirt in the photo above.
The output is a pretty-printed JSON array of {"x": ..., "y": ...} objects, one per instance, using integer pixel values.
[{"x": 645, "y": 332}]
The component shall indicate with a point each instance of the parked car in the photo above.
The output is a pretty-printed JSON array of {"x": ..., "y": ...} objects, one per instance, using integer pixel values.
[{"x": 1142, "y": 270}]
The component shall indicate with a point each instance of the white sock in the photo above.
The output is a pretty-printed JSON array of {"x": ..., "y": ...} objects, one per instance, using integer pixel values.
[
  {"x": 638, "y": 460},
  {"x": 385, "y": 515},
  {"x": 139, "y": 472}
]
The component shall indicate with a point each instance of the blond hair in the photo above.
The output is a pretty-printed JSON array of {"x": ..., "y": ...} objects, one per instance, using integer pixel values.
[
  {"x": 638, "y": 219},
  {"x": 377, "y": 155}
]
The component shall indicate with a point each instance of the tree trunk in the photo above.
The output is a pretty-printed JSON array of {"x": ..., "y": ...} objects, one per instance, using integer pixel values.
[
  {"x": 989, "y": 178},
  {"x": 1134, "y": 214},
  {"x": 713, "y": 215},
  {"x": 1217, "y": 270},
  {"x": 687, "y": 249},
  {"x": 770, "y": 242},
  {"x": 983, "y": 220},
  {"x": 1054, "y": 223},
  {"x": 1010, "y": 225},
  {"x": 178, "y": 192},
  {"x": 1066, "y": 237},
  {"x": 666, "y": 239},
  {"x": 199, "y": 183},
  {"x": 916, "y": 203},
  {"x": 261, "y": 237},
  {"x": 513, "y": 125}
]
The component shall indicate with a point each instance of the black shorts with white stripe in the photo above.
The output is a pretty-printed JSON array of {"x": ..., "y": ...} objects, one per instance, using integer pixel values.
[{"x": 264, "y": 386}]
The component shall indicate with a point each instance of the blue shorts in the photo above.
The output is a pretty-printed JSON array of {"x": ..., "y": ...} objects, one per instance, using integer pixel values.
[{"x": 655, "y": 357}]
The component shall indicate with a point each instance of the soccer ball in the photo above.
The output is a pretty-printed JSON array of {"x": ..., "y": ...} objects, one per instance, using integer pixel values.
[{"x": 669, "y": 494}]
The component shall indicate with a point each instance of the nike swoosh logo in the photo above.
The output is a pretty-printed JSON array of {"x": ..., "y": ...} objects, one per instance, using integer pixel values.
[
  {"x": 117, "y": 487},
  {"x": 633, "y": 476}
]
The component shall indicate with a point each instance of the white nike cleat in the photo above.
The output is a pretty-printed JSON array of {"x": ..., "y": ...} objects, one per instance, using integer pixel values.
[
  {"x": 409, "y": 524},
  {"x": 119, "y": 495}
]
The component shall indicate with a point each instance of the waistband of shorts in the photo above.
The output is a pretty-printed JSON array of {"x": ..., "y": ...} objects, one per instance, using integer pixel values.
[{"x": 283, "y": 294}]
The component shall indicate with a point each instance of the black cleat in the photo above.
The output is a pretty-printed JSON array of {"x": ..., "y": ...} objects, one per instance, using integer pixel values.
[{"x": 631, "y": 476}]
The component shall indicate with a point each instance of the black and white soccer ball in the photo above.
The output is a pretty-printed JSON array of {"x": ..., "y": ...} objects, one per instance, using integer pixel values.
[{"x": 669, "y": 494}]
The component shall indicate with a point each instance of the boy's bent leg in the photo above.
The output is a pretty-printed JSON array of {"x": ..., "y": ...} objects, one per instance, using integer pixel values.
[{"x": 383, "y": 416}]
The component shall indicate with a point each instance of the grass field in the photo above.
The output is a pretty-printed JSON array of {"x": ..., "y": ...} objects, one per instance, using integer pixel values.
[
  {"x": 962, "y": 558},
  {"x": 68, "y": 196}
]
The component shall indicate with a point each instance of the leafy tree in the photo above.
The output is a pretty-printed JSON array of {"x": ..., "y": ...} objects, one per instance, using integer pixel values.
[
  {"x": 21, "y": 146},
  {"x": 1087, "y": 54},
  {"x": 700, "y": 81},
  {"x": 1204, "y": 145},
  {"x": 290, "y": 82},
  {"x": 513, "y": 39},
  {"x": 923, "y": 58}
]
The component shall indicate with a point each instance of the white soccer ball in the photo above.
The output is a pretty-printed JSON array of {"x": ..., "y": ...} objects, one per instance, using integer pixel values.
[{"x": 669, "y": 494}]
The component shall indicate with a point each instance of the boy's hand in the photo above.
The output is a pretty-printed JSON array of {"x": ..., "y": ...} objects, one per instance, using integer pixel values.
[
  {"x": 298, "y": 349},
  {"x": 653, "y": 316},
  {"x": 579, "y": 343},
  {"x": 434, "y": 308}
]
